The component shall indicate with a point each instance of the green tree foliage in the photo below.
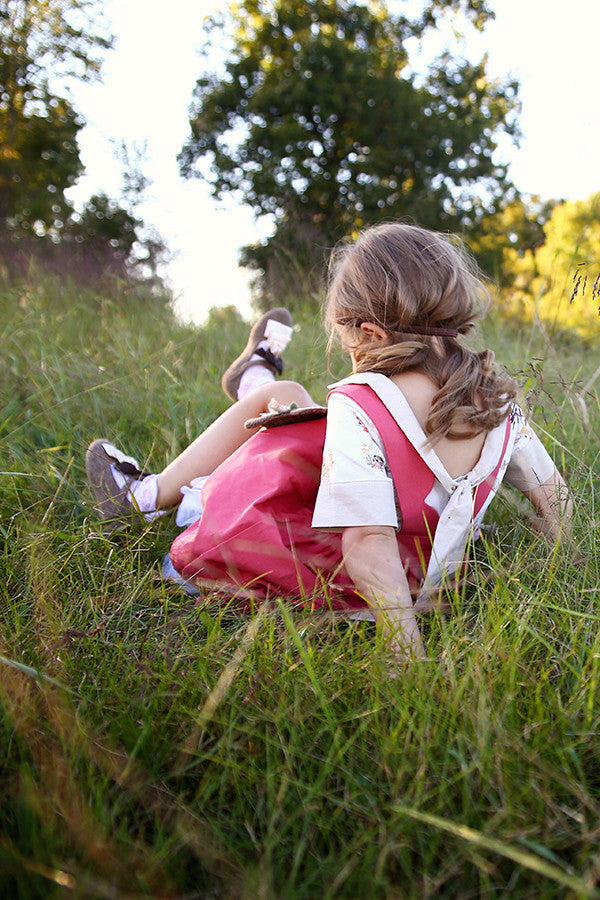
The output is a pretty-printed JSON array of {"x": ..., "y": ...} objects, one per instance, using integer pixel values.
[
  {"x": 110, "y": 240},
  {"x": 557, "y": 281},
  {"x": 318, "y": 121},
  {"x": 512, "y": 231},
  {"x": 44, "y": 46},
  {"x": 39, "y": 160},
  {"x": 39, "y": 156}
]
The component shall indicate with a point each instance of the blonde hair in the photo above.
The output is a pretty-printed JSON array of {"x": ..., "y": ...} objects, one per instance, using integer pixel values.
[{"x": 397, "y": 275}]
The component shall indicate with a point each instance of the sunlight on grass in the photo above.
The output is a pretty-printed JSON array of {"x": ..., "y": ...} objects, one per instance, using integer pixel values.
[{"x": 156, "y": 746}]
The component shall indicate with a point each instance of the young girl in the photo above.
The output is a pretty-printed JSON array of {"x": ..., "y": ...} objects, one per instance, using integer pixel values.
[{"x": 417, "y": 442}]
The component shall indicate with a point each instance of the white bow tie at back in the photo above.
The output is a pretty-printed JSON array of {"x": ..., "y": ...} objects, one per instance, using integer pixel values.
[{"x": 453, "y": 531}]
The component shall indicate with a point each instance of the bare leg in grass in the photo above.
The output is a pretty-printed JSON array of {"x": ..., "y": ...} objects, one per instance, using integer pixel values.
[
  {"x": 223, "y": 437},
  {"x": 120, "y": 487}
]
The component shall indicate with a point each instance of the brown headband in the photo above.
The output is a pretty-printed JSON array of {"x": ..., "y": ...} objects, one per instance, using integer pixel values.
[
  {"x": 427, "y": 329},
  {"x": 406, "y": 329}
]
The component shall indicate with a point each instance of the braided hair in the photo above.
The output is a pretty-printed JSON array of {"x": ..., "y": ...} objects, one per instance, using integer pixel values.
[{"x": 424, "y": 291}]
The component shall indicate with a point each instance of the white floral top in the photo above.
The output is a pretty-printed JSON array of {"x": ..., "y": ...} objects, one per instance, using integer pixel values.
[{"x": 356, "y": 485}]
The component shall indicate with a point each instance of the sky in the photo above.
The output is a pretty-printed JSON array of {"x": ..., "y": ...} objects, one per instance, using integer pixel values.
[{"x": 145, "y": 94}]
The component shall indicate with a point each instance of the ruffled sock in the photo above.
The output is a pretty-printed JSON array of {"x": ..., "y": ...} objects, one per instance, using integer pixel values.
[
  {"x": 277, "y": 337},
  {"x": 142, "y": 492},
  {"x": 255, "y": 375}
]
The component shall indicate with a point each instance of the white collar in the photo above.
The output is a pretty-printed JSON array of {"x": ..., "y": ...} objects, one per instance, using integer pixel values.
[{"x": 397, "y": 404}]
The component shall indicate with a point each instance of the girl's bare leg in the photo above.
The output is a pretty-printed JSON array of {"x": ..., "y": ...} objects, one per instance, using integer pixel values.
[{"x": 225, "y": 435}]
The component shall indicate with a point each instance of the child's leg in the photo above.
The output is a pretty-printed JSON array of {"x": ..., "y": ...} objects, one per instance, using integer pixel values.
[
  {"x": 117, "y": 481},
  {"x": 260, "y": 361},
  {"x": 223, "y": 437}
]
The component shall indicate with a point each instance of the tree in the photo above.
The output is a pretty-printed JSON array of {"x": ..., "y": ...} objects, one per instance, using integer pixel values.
[
  {"x": 39, "y": 156},
  {"x": 109, "y": 240},
  {"x": 318, "y": 121},
  {"x": 45, "y": 45},
  {"x": 513, "y": 231},
  {"x": 558, "y": 281}
]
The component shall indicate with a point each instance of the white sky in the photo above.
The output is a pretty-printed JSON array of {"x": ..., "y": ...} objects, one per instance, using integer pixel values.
[{"x": 551, "y": 46}]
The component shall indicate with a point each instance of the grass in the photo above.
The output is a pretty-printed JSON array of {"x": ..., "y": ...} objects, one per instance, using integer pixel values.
[{"x": 153, "y": 746}]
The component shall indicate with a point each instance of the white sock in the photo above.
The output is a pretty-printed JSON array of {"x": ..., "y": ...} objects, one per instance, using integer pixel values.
[
  {"x": 277, "y": 337},
  {"x": 254, "y": 376},
  {"x": 143, "y": 491}
]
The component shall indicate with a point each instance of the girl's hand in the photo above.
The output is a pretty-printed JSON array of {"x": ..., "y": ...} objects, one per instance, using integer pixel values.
[
  {"x": 553, "y": 507},
  {"x": 404, "y": 638},
  {"x": 404, "y": 653}
]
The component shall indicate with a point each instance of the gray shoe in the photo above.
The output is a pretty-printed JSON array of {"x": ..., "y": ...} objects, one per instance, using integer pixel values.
[
  {"x": 232, "y": 376},
  {"x": 112, "y": 501}
]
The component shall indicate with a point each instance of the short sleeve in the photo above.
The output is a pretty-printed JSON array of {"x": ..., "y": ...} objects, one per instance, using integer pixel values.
[
  {"x": 530, "y": 464},
  {"x": 356, "y": 486}
]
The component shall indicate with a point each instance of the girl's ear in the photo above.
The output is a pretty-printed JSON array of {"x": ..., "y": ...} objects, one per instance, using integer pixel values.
[{"x": 374, "y": 332}]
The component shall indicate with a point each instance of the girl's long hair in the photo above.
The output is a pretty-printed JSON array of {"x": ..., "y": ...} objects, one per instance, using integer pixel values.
[{"x": 401, "y": 275}]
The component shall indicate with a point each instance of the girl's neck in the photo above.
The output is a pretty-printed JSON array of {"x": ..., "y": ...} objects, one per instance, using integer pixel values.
[
  {"x": 457, "y": 456},
  {"x": 417, "y": 384}
]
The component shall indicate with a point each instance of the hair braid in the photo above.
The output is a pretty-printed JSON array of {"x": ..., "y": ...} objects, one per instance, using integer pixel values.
[{"x": 399, "y": 274}]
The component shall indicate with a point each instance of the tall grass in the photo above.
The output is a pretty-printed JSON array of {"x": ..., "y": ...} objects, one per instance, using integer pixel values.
[{"x": 154, "y": 746}]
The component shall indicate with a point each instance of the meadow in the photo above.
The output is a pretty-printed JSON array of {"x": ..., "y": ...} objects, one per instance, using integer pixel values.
[{"x": 155, "y": 746}]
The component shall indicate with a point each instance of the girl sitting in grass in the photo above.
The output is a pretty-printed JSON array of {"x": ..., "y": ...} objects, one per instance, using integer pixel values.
[{"x": 416, "y": 443}]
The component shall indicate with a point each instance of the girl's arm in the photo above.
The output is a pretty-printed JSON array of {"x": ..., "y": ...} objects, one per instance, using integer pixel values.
[
  {"x": 373, "y": 563},
  {"x": 532, "y": 471}
]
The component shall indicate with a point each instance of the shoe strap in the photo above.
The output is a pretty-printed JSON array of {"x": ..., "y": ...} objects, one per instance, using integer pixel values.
[
  {"x": 275, "y": 361},
  {"x": 128, "y": 469}
]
